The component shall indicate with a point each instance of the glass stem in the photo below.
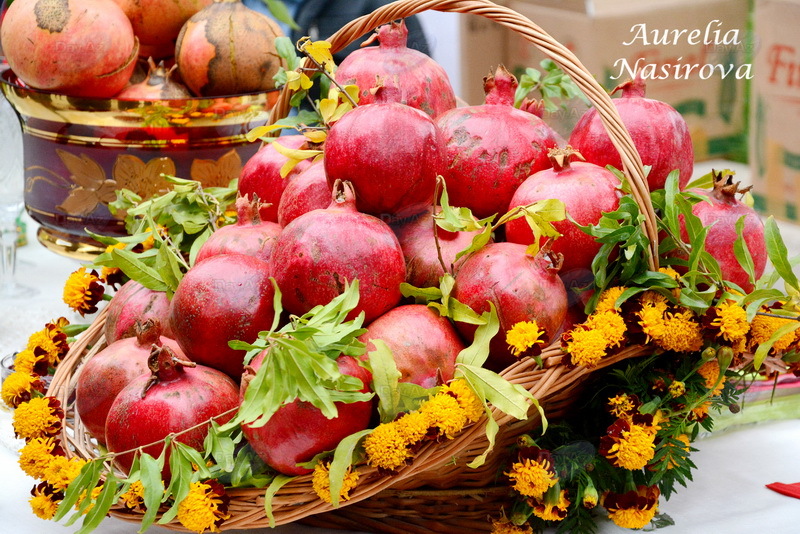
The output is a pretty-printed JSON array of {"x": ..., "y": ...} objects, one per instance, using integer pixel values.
[{"x": 8, "y": 258}]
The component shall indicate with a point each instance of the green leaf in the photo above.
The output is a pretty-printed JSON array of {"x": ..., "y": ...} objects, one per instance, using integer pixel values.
[
  {"x": 763, "y": 349},
  {"x": 84, "y": 482},
  {"x": 492, "y": 428},
  {"x": 150, "y": 475},
  {"x": 277, "y": 483},
  {"x": 342, "y": 460},
  {"x": 778, "y": 254},
  {"x": 742, "y": 253},
  {"x": 281, "y": 13},
  {"x": 385, "y": 378},
  {"x": 421, "y": 295},
  {"x": 671, "y": 190},
  {"x": 138, "y": 271},
  {"x": 511, "y": 399},
  {"x": 98, "y": 513},
  {"x": 476, "y": 354}
]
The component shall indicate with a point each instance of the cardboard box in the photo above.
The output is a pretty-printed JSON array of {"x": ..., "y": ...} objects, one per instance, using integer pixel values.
[
  {"x": 775, "y": 109},
  {"x": 695, "y": 39},
  {"x": 482, "y": 47}
]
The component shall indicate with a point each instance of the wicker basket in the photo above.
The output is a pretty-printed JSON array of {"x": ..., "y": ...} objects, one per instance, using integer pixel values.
[{"x": 436, "y": 492}]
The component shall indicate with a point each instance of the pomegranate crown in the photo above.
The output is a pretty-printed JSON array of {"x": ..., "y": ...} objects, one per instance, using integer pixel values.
[{"x": 725, "y": 188}]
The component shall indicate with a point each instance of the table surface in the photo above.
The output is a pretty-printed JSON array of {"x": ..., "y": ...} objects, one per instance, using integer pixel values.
[{"x": 728, "y": 493}]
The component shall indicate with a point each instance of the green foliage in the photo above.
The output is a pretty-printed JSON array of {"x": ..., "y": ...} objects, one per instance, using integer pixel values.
[{"x": 554, "y": 87}]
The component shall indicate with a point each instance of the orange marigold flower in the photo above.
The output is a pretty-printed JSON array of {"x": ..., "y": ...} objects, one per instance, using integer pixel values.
[
  {"x": 472, "y": 405},
  {"x": 32, "y": 362},
  {"x": 628, "y": 445},
  {"x": 534, "y": 473},
  {"x": 711, "y": 372},
  {"x": 523, "y": 336},
  {"x": 386, "y": 447},
  {"x": 50, "y": 342},
  {"x": 555, "y": 511},
  {"x": 445, "y": 413},
  {"x": 205, "y": 507},
  {"x": 321, "y": 482},
  {"x": 730, "y": 319},
  {"x": 133, "y": 497},
  {"x": 608, "y": 299},
  {"x": 83, "y": 291},
  {"x": 36, "y": 455},
  {"x": 20, "y": 387},
  {"x": 623, "y": 405},
  {"x": 45, "y": 499},
  {"x": 633, "y": 509},
  {"x": 61, "y": 471},
  {"x": 610, "y": 324},
  {"x": 585, "y": 347},
  {"x": 413, "y": 427},
  {"x": 37, "y": 418},
  {"x": 700, "y": 412},
  {"x": 764, "y": 326}
]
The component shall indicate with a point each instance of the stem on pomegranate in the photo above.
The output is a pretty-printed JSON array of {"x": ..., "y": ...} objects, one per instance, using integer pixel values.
[{"x": 436, "y": 192}]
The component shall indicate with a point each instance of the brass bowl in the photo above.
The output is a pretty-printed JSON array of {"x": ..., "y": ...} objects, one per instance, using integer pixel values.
[{"x": 79, "y": 151}]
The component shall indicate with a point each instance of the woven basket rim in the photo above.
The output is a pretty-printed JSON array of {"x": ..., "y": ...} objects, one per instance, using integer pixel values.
[{"x": 297, "y": 500}]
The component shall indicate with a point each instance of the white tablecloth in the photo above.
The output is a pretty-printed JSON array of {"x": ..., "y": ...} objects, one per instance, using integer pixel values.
[{"x": 728, "y": 493}]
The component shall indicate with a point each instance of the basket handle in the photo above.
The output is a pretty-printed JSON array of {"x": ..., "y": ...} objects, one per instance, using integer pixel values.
[{"x": 569, "y": 63}]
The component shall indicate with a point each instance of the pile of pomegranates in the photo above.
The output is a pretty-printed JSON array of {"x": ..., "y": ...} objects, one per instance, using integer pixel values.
[{"x": 368, "y": 213}]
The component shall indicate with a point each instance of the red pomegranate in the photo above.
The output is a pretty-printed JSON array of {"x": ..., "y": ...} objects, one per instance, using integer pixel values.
[
  {"x": 76, "y": 47},
  {"x": 176, "y": 396},
  {"x": 390, "y": 152},
  {"x": 720, "y": 212},
  {"x": 491, "y": 149},
  {"x": 418, "y": 241},
  {"x": 261, "y": 176},
  {"x": 587, "y": 191},
  {"x": 134, "y": 303},
  {"x": 319, "y": 252},
  {"x": 522, "y": 288},
  {"x": 157, "y": 85},
  {"x": 104, "y": 375},
  {"x": 660, "y": 134},
  {"x": 424, "y": 344},
  {"x": 298, "y": 431},
  {"x": 249, "y": 235},
  {"x": 224, "y": 298},
  {"x": 306, "y": 191},
  {"x": 423, "y": 83}
]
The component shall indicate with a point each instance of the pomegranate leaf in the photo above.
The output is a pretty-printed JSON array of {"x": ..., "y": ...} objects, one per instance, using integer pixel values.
[
  {"x": 476, "y": 354},
  {"x": 98, "y": 512},
  {"x": 84, "y": 482},
  {"x": 385, "y": 378},
  {"x": 779, "y": 255},
  {"x": 277, "y": 483},
  {"x": 742, "y": 253},
  {"x": 342, "y": 460},
  {"x": 137, "y": 270}
]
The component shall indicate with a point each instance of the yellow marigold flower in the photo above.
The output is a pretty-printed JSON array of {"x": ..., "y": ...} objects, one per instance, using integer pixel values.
[
  {"x": 205, "y": 507},
  {"x": 61, "y": 471},
  {"x": 83, "y": 291},
  {"x": 681, "y": 332},
  {"x": 413, "y": 427},
  {"x": 610, "y": 324},
  {"x": 466, "y": 398},
  {"x": 386, "y": 447},
  {"x": 586, "y": 347},
  {"x": 532, "y": 478},
  {"x": 50, "y": 343},
  {"x": 621, "y": 405},
  {"x": 677, "y": 388},
  {"x": 633, "y": 509},
  {"x": 321, "y": 482},
  {"x": 628, "y": 445},
  {"x": 504, "y": 526},
  {"x": 45, "y": 500},
  {"x": 133, "y": 497},
  {"x": 32, "y": 363},
  {"x": 446, "y": 414},
  {"x": 95, "y": 493},
  {"x": 523, "y": 336},
  {"x": 39, "y": 417},
  {"x": 683, "y": 438},
  {"x": 700, "y": 412},
  {"x": 36, "y": 455},
  {"x": 731, "y": 320},
  {"x": 764, "y": 326},
  {"x": 670, "y": 272},
  {"x": 20, "y": 387},
  {"x": 553, "y": 512},
  {"x": 112, "y": 275},
  {"x": 654, "y": 299},
  {"x": 711, "y": 372},
  {"x": 607, "y": 299}
]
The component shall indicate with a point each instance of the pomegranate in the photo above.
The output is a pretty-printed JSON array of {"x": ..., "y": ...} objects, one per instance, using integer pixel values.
[
  {"x": 493, "y": 148},
  {"x": 105, "y": 374},
  {"x": 224, "y": 298},
  {"x": 174, "y": 396},
  {"x": 426, "y": 360},
  {"x": 721, "y": 212},
  {"x": 298, "y": 431},
  {"x": 306, "y": 191},
  {"x": 522, "y": 288},
  {"x": 423, "y": 83},
  {"x": 76, "y": 47},
  {"x": 418, "y": 241},
  {"x": 134, "y": 303},
  {"x": 157, "y": 85},
  {"x": 249, "y": 235},
  {"x": 587, "y": 191},
  {"x": 319, "y": 252},
  {"x": 227, "y": 48},
  {"x": 261, "y": 176},
  {"x": 157, "y": 23},
  {"x": 391, "y": 153},
  {"x": 660, "y": 134}
]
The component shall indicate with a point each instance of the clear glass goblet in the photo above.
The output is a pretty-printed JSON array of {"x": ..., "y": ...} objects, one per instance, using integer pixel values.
[{"x": 11, "y": 201}]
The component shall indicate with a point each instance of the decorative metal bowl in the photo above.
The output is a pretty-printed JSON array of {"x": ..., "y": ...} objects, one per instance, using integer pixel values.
[{"x": 79, "y": 151}]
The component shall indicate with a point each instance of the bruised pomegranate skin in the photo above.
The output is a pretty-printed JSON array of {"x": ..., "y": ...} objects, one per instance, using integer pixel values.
[
  {"x": 659, "y": 133},
  {"x": 298, "y": 430},
  {"x": 224, "y": 298},
  {"x": 260, "y": 176},
  {"x": 180, "y": 397},
  {"x": 83, "y": 48},
  {"x": 587, "y": 191},
  {"x": 319, "y": 252},
  {"x": 306, "y": 191},
  {"x": 106, "y": 373},
  {"x": 720, "y": 212},
  {"x": 418, "y": 241},
  {"x": 249, "y": 235},
  {"x": 424, "y": 344},
  {"x": 131, "y": 303},
  {"x": 492, "y": 148},
  {"x": 521, "y": 287},
  {"x": 423, "y": 83},
  {"x": 391, "y": 153}
]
